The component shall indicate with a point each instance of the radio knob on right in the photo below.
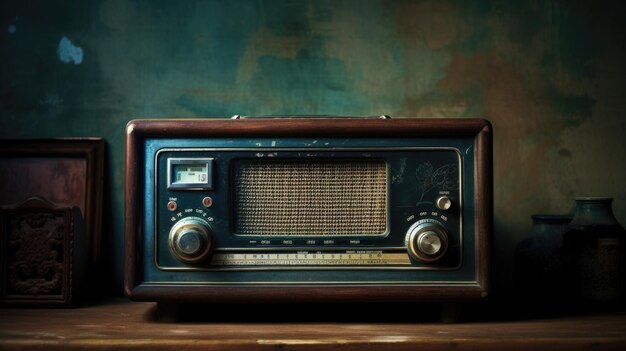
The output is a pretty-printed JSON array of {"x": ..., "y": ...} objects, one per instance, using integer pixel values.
[
  {"x": 444, "y": 203},
  {"x": 426, "y": 241}
]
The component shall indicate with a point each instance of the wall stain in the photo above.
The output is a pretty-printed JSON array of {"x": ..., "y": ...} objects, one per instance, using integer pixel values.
[
  {"x": 435, "y": 24},
  {"x": 565, "y": 153},
  {"x": 68, "y": 52}
]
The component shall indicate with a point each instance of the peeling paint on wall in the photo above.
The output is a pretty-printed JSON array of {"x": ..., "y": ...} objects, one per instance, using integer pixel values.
[{"x": 68, "y": 52}]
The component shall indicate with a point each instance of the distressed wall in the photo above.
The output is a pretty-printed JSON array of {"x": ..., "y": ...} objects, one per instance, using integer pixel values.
[{"x": 548, "y": 74}]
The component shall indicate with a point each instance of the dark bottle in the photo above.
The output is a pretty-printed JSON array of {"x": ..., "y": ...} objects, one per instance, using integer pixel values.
[
  {"x": 594, "y": 252},
  {"x": 538, "y": 270}
]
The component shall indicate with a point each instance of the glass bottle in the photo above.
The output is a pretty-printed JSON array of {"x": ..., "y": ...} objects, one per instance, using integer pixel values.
[{"x": 594, "y": 252}]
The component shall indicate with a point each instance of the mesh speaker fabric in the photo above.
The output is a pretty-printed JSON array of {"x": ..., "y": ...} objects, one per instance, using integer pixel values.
[{"x": 310, "y": 198}]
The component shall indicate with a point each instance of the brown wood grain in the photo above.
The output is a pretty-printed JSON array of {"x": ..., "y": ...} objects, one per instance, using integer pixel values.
[
  {"x": 123, "y": 325},
  {"x": 305, "y": 127}
]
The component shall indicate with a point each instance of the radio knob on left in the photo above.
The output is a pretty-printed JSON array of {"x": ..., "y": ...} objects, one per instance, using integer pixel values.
[{"x": 190, "y": 240}]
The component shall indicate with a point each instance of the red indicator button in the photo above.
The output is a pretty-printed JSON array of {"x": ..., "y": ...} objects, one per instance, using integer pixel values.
[
  {"x": 207, "y": 202},
  {"x": 172, "y": 205}
]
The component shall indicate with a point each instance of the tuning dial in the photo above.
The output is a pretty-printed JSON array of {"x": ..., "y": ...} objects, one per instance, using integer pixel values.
[
  {"x": 427, "y": 240},
  {"x": 190, "y": 240}
]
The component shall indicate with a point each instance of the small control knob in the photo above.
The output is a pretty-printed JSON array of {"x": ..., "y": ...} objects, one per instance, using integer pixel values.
[
  {"x": 444, "y": 203},
  {"x": 427, "y": 240},
  {"x": 190, "y": 240}
]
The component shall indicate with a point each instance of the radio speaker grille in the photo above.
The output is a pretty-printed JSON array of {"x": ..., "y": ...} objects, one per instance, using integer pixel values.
[{"x": 310, "y": 198}]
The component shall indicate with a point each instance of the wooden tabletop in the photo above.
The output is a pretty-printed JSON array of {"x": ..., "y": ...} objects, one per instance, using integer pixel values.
[{"x": 124, "y": 325}]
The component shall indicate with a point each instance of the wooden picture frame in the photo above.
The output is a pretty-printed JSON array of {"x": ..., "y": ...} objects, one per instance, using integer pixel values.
[{"x": 66, "y": 173}]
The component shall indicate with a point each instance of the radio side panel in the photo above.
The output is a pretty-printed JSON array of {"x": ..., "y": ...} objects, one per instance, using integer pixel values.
[{"x": 159, "y": 151}]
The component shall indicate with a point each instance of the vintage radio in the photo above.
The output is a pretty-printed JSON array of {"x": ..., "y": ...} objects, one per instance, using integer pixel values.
[{"x": 308, "y": 209}]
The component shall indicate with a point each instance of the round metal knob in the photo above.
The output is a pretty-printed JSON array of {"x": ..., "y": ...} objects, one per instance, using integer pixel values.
[
  {"x": 429, "y": 243},
  {"x": 190, "y": 240},
  {"x": 426, "y": 241},
  {"x": 444, "y": 203}
]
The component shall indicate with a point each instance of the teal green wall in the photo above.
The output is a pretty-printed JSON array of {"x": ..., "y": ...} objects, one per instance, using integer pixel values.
[{"x": 548, "y": 74}]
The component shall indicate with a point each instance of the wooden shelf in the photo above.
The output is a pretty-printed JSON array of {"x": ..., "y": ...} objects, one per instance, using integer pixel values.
[{"x": 124, "y": 325}]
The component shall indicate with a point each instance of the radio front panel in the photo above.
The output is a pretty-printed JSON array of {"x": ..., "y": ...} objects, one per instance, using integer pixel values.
[
  {"x": 273, "y": 208},
  {"x": 316, "y": 211}
]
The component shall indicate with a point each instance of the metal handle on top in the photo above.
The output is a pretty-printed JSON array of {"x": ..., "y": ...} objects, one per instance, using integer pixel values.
[{"x": 311, "y": 116}]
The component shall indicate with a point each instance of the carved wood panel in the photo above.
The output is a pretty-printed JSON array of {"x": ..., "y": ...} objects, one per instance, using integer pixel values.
[{"x": 37, "y": 254}]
